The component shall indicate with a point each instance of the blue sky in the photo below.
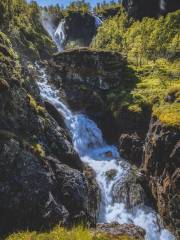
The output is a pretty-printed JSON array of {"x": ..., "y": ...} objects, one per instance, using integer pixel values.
[{"x": 63, "y": 2}]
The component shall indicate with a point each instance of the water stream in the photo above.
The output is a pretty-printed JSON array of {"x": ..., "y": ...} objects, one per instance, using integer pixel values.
[
  {"x": 92, "y": 148},
  {"x": 56, "y": 34}
]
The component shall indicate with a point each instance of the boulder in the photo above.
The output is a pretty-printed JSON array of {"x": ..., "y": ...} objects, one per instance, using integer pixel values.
[
  {"x": 130, "y": 191},
  {"x": 117, "y": 230},
  {"x": 131, "y": 148},
  {"x": 94, "y": 194},
  {"x": 38, "y": 192}
]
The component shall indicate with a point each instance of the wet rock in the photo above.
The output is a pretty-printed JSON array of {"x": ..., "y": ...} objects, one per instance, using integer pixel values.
[
  {"x": 161, "y": 165},
  {"x": 130, "y": 191},
  {"x": 94, "y": 195},
  {"x": 111, "y": 174},
  {"x": 118, "y": 230},
  {"x": 52, "y": 110},
  {"x": 73, "y": 189},
  {"x": 108, "y": 154},
  {"x": 131, "y": 148}
]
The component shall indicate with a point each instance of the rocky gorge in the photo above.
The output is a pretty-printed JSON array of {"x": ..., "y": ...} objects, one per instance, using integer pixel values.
[
  {"x": 68, "y": 157},
  {"x": 141, "y": 148}
]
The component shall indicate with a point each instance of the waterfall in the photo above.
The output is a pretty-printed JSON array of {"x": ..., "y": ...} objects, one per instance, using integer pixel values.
[
  {"x": 98, "y": 21},
  {"x": 60, "y": 36},
  {"x": 162, "y": 5},
  {"x": 92, "y": 148},
  {"x": 56, "y": 34},
  {"x": 47, "y": 24}
]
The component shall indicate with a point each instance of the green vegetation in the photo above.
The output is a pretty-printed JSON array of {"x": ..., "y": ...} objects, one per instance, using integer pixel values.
[
  {"x": 105, "y": 7},
  {"x": 20, "y": 21},
  {"x": 142, "y": 41},
  {"x": 59, "y": 233},
  {"x": 38, "y": 150},
  {"x": 9, "y": 61},
  {"x": 152, "y": 48},
  {"x": 34, "y": 105}
]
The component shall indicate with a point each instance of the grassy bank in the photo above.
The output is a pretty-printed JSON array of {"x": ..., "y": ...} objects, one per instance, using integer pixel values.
[{"x": 59, "y": 233}]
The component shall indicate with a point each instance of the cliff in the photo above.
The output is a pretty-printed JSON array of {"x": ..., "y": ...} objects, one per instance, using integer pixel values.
[{"x": 41, "y": 182}]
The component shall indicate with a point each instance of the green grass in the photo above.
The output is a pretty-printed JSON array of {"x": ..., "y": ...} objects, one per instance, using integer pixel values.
[
  {"x": 155, "y": 83},
  {"x": 59, "y": 233}
]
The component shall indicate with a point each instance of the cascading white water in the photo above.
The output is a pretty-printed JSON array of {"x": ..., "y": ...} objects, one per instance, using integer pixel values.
[
  {"x": 60, "y": 36},
  {"x": 98, "y": 21},
  {"x": 56, "y": 34},
  {"x": 89, "y": 143},
  {"x": 162, "y": 5}
]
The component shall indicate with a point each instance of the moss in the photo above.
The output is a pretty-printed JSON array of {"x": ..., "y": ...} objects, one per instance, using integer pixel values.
[
  {"x": 38, "y": 150},
  {"x": 39, "y": 109},
  {"x": 168, "y": 114},
  {"x": 60, "y": 233},
  {"x": 9, "y": 60}
]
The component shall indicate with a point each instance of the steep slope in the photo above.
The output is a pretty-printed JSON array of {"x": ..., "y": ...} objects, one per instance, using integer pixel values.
[{"x": 41, "y": 174}]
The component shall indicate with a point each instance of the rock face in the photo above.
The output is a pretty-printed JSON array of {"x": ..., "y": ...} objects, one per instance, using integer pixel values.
[
  {"x": 41, "y": 179},
  {"x": 83, "y": 77},
  {"x": 79, "y": 29},
  {"x": 145, "y": 8},
  {"x": 98, "y": 69},
  {"x": 161, "y": 164}
]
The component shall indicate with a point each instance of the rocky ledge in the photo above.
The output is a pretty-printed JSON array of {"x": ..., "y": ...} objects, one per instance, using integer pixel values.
[
  {"x": 97, "y": 68},
  {"x": 83, "y": 76}
]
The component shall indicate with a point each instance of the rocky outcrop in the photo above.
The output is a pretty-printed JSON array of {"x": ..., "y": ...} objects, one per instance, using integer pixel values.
[
  {"x": 118, "y": 230},
  {"x": 80, "y": 28},
  {"x": 131, "y": 148},
  {"x": 161, "y": 164},
  {"x": 41, "y": 179},
  {"x": 96, "y": 68},
  {"x": 94, "y": 194},
  {"x": 83, "y": 77},
  {"x": 130, "y": 191},
  {"x": 145, "y": 8}
]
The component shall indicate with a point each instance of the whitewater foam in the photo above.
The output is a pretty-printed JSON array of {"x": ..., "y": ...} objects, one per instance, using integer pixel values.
[{"x": 92, "y": 148}]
